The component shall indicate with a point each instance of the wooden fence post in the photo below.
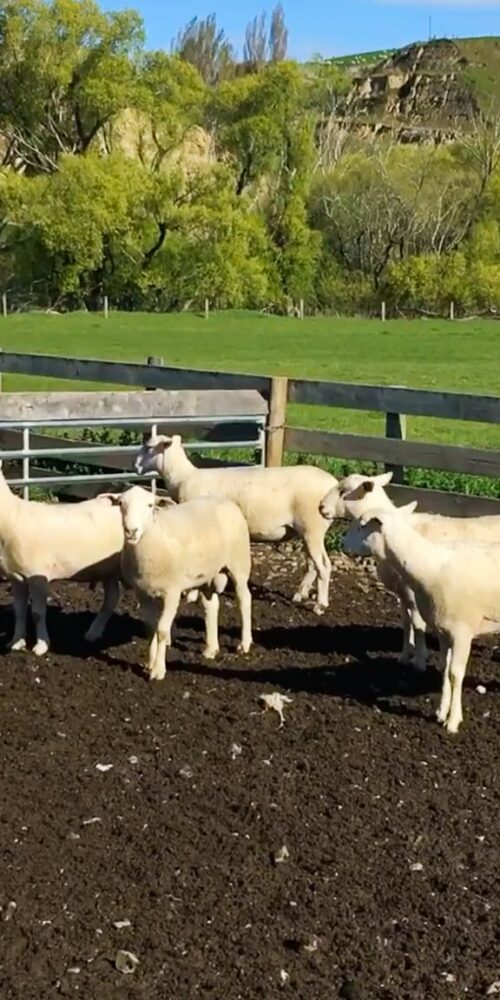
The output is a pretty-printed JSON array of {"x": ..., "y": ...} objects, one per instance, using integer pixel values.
[
  {"x": 395, "y": 427},
  {"x": 4, "y": 304},
  {"x": 275, "y": 437},
  {"x": 382, "y": 312},
  {"x": 207, "y": 308},
  {"x": 452, "y": 310},
  {"x": 106, "y": 307},
  {"x": 156, "y": 362},
  {"x": 301, "y": 309}
]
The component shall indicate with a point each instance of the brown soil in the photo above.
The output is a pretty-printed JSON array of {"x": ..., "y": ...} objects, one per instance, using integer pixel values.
[{"x": 360, "y": 785}]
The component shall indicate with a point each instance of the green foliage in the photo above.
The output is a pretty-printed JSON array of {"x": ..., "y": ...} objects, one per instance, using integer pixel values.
[{"x": 160, "y": 180}]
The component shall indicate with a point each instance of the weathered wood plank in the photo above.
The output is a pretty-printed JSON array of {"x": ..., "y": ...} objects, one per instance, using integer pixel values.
[
  {"x": 124, "y": 373},
  {"x": 441, "y": 502},
  {"x": 156, "y": 404},
  {"x": 447, "y": 458},
  {"x": 395, "y": 427},
  {"x": 394, "y": 399},
  {"x": 277, "y": 420}
]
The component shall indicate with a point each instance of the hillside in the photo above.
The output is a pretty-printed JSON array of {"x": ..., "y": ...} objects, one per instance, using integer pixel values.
[{"x": 440, "y": 85}]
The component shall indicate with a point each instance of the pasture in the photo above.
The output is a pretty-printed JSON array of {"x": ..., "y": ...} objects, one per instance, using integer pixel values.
[
  {"x": 432, "y": 354},
  {"x": 391, "y": 885}
]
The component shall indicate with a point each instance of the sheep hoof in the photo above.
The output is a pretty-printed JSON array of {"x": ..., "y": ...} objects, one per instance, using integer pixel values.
[
  {"x": 319, "y": 609},
  {"x": 406, "y": 658},
  {"x": 210, "y": 654},
  {"x": 156, "y": 675},
  {"x": 298, "y": 598},
  {"x": 244, "y": 647},
  {"x": 452, "y": 727},
  {"x": 20, "y": 644},
  {"x": 419, "y": 667},
  {"x": 41, "y": 647},
  {"x": 91, "y": 636}
]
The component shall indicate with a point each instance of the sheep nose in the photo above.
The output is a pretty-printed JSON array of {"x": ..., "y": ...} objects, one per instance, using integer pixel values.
[{"x": 132, "y": 534}]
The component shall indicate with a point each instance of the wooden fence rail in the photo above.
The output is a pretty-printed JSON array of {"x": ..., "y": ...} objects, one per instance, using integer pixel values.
[{"x": 396, "y": 402}]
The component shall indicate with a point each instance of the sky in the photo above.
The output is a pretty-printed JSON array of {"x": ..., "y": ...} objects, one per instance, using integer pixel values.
[{"x": 338, "y": 27}]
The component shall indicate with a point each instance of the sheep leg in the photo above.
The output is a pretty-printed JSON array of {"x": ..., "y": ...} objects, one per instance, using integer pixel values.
[
  {"x": 20, "y": 599},
  {"x": 419, "y": 630},
  {"x": 211, "y": 606},
  {"x": 245, "y": 604},
  {"x": 158, "y": 648},
  {"x": 408, "y": 650},
  {"x": 39, "y": 588},
  {"x": 315, "y": 546},
  {"x": 111, "y": 597},
  {"x": 460, "y": 651},
  {"x": 307, "y": 583},
  {"x": 445, "y": 657}
]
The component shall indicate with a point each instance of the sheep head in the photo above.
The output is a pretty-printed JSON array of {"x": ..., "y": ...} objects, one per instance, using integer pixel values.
[
  {"x": 154, "y": 447},
  {"x": 137, "y": 507},
  {"x": 366, "y": 536}
]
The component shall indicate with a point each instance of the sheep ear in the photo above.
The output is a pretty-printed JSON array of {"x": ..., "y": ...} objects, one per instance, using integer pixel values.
[
  {"x": 384, "y": 478},
  {"x": 368, "y": 486},
  {"x": 164, "y": 443},
  {"x": 176, "y": 439},
  {"x": 113, "y": 498},
  {"x": 407, "y": 508},
  {"x": 165, "y": 502}
]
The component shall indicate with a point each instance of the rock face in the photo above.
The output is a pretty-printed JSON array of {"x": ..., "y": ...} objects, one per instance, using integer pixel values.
[{"x": 422, "y": 93}]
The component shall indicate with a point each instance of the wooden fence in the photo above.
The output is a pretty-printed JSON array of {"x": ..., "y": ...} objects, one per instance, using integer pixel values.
[{"x": 397, "y": 403}]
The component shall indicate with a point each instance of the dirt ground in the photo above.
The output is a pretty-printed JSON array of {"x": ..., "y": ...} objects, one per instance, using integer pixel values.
[{"x": 391, "y": 884}]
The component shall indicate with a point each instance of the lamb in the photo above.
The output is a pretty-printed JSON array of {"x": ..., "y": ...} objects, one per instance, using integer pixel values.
[
  {"x": 275, "y": 502},
  {"x": 456, "y": 586},
  {"x": 174, "y": 550},
  {"x": 356, "y": 495},
  {"x": 42, "y": 542}
]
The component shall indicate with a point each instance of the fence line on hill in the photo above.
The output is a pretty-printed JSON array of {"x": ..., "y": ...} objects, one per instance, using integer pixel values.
[{"x": 396, "y": 402}]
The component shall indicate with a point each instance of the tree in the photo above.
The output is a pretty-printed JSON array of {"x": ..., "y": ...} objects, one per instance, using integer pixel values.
[
  {"x": 263, "y": 45},
  {"x": 170, "y": 101},
  {"x": 255, "y": 119},
  {"x": 278, "y": 35},
  {"x": 67, "y": 69},
  {"x": 255, "y": 48},
  {"x": 206, "y": 47}
]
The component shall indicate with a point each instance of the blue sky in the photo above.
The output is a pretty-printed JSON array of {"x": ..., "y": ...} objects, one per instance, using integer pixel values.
[{"x": 331, "y": 28}]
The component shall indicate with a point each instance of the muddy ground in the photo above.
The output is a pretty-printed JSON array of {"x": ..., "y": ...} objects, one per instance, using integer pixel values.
[{"x": 391, "y": 885}]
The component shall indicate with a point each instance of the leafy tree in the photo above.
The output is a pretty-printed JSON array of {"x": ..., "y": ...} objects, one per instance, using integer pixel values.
[
  {"x": 206, "y": 46},
  {"x": 263, "y": 45},
  {"x": 255, "y": 52},
  {"x": 278, "y": 35},
  {"x": 67, "y": 69}
]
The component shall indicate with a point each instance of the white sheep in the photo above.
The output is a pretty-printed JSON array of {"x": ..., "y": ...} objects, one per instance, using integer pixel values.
[
  {"x": 42, "y": 542},
  {"x": 174, "y": 550},
  {"x": 456, "y": 585},
  {"x": 274, "y": 502},
  {"x": 356, "y": 495}
]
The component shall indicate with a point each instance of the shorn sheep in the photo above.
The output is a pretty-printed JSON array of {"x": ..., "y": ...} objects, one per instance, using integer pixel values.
[
  {"x": 171, "y": 550},
  {"x": 274, "y": 502},
  {"x": 43, "y": 542},
  {"x": 456, "y": 585},
  {"x": 355, "y": 496}
]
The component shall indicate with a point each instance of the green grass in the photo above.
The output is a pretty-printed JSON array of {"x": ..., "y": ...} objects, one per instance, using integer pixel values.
[
  {"x": 362, "y": 59},
  {"x": 424, "y": 354},
  {"x": 482, "y": 73}
]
